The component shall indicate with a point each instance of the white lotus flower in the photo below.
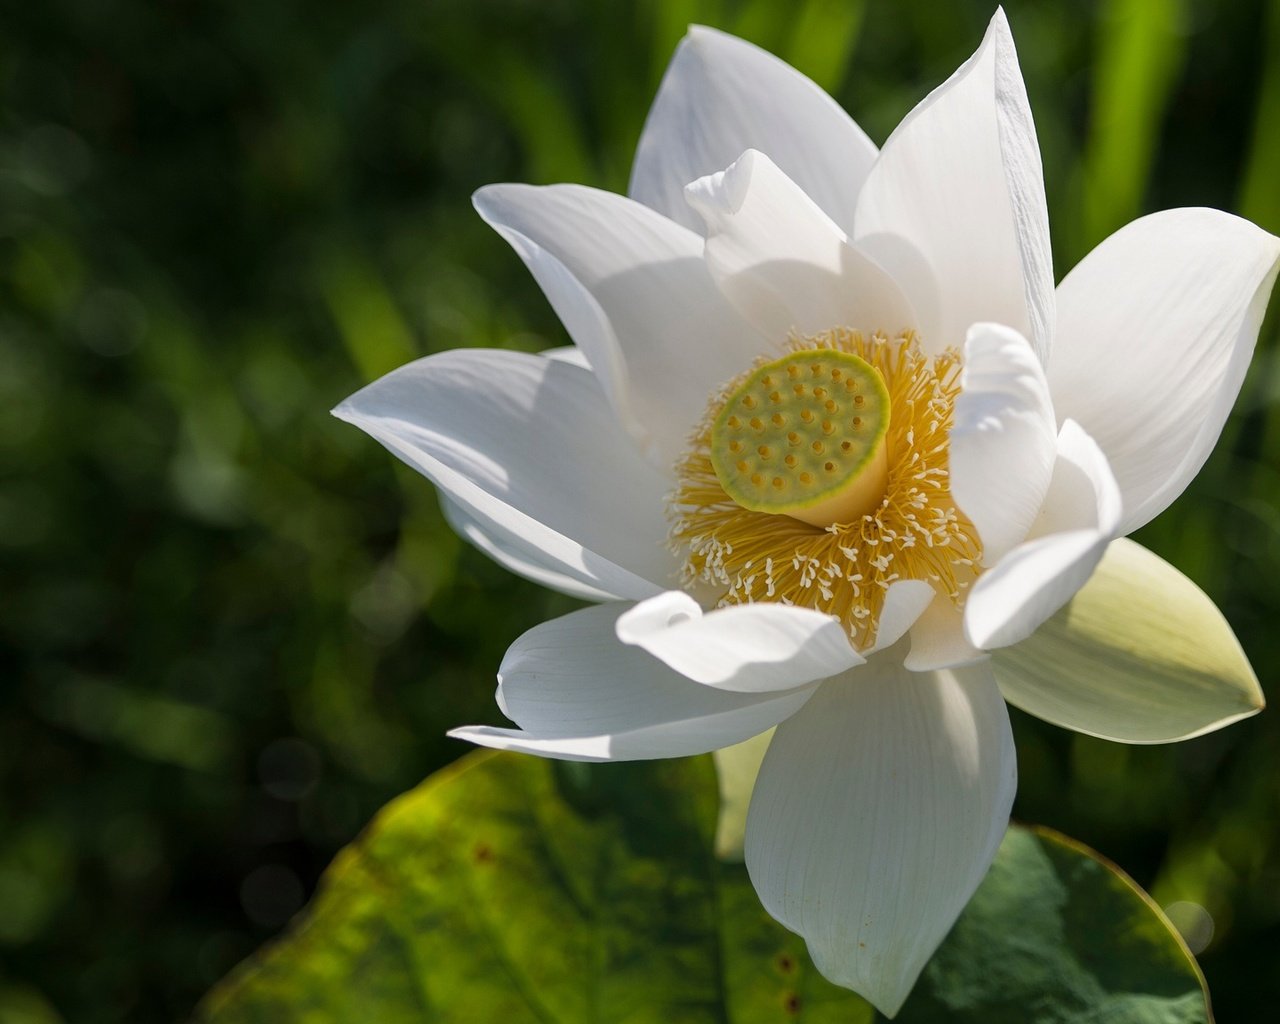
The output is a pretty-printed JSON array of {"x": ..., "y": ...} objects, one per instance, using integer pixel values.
[{"x": 830, "y": 454}]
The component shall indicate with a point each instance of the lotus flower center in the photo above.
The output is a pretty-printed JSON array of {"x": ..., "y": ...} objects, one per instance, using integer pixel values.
[
  {"x": 804, "y": 436},
  {"x": 821, "y": 476}
]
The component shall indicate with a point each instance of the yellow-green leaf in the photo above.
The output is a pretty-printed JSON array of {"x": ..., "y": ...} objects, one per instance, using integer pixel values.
[{"x": 515, "y": 890}]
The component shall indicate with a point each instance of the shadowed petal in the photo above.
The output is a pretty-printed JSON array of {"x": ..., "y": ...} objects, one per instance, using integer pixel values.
[
  {"x": 1080, "y": 517},
  {"x": 523, "y": 559},
  {"x": 783, "y": 263},
  {"x": 938, "y": 640},
  {"x": 528, "y": 451},
  {"x": 1004, "y": 438},
  {"x": 632, "y": 290}
]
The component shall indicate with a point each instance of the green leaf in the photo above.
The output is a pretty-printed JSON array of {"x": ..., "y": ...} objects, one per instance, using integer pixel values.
[
  {"x": 513, "y": 889},
  {"x": 1056, "y": 934}
]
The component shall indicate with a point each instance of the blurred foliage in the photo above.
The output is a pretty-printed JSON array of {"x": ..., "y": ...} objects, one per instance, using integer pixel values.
[
  {"x": 510, "y": 888},
  {"x": 232, "y": 627}
]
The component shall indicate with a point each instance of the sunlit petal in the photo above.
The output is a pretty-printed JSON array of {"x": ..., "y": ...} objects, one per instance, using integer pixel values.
[
  {"x": 955, "y": 207},
  {"x": 752, "y": 648},
  {"x": 877, "y": 811},
  {"x": 722, "y": 96},
  {"x": 1156, "y": 328}
]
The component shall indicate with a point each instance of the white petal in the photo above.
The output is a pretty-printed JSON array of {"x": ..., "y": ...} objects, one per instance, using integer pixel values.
[
  {"x": 877, "y": 811},
  {"x": 1081, "y": 515},
  {"x": 784, "y": 263},
  {"x": 1140, "y": 655},
  {"x": 904, "y": 603},
  {"x": 1004, "y": 438},
  {"x": 752, "y": 648},
  {"x": 578, "y": 693},
  {"x": 722, "y": 96},
  {"x": 959, "y": 185},
  {"x": 633, "y": 292},
  {"x": 938, "y": 640},
  {"x": 1157, "y": 326},
  {"x": 567, "y": 353},
  {"x": 522, "y": 559},
  {"x": 528, "y": 450}
]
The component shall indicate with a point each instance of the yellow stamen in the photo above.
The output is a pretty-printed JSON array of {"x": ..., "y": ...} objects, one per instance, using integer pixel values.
[{"x": 914, "y": 531}]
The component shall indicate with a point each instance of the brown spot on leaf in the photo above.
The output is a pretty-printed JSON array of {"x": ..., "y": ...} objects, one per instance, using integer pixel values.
[
  {"x": 785, "y": 964},
  {"x": 483, "y": 853},
  {"x": 791, "y": 1003}
]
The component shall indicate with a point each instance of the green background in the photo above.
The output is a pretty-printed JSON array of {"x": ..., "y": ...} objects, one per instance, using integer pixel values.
[{"x": 232, "y": 627}]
